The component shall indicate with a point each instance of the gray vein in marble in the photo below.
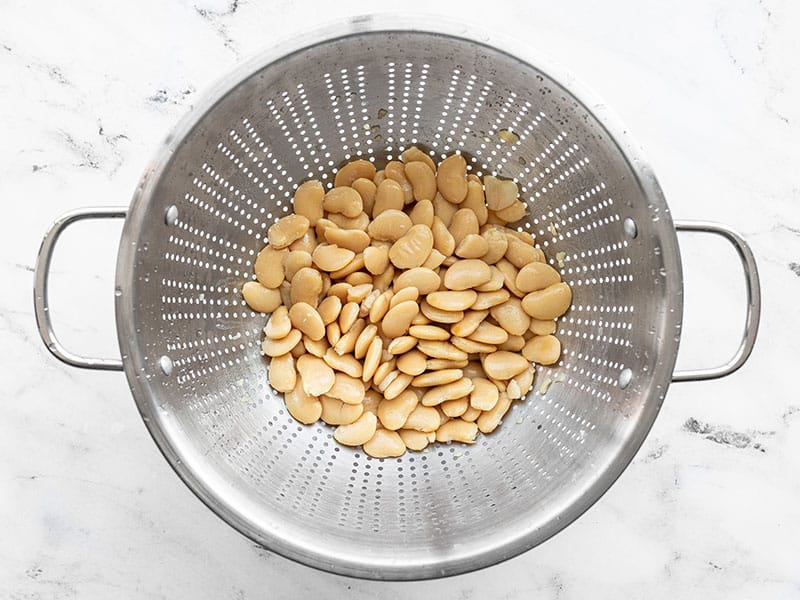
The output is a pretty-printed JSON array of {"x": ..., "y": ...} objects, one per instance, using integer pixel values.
[
  {"x": 165, "y": 96},
  {"x": 795, "y": 268},
  {"x": 213, "y": 16},
  {"x": 725, "y": 436}
]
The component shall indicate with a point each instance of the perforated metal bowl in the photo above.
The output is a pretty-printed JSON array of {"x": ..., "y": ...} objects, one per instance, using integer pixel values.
[{"x": 191, "y": 347}]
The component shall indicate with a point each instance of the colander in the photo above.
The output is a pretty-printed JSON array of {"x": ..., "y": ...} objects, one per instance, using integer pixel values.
[{"x": 191, "y": 348}]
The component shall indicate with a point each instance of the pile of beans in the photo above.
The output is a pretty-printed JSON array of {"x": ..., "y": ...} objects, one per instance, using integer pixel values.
[{"x": 403, "y": 310}]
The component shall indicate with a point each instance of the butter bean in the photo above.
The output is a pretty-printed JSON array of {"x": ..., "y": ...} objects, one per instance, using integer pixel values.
[
  {"x": 347, "y": 342},
  {"x": 539, "y": 327},
  {"x": 449, "y": 391},
  {"x": 489, "y": 299},
  {"x": 416, "y": 440},
  {"x": 423, "y": 418},
  {"x": 305, "y": 318},
  {"x": 422, "y": 179},
  {"x": 435, "y": 259},
  {"x": 384, "y": 280},
  {"x": 510, "y": 273},
  {"x": 413, "y": 248},
  {"x": 467, "y": 274},
  {"x": 495, "y": 283},
  {"x": 412, "y": 362},
  {"x": 358, "y": 432},
  {"x": 469, "y": 323},
  {"x": 490, "y": 419},
  {"x": 372, "y": 359},
  {"x": 549, "y": 303},
  {"x": 484, "y": 394},
  {"x": 286, "y": 230},
  {"x": 356, "y": 169},
  {"x": 282, "y": 373},
  {"x": 308, "y": 200},
  {"x": 390, "y": 225},
  {"x": 428, "y": 332},
  {"x": 306, "y": 243},
  {"x": 317, "y": 377},
  {"x": 385, "y": 373},
  {"x": 519, "y": 253},
  {"x": 293, "y": 262},
  {"x": 472, "y": 246},
  {"x": 443, "y": 240},
  {"x": 389, "y": 195},
  {"x": 439, "y": 349},
  {"x": 542, "y": 349},
  {"x": 536, "y": 276},
  {"x": 380, "y": 307},
  {"x": 336, "y": 412},
  {"x": 306, "y": 286},
  {"x": 349, "y": 390},
  {"x": 511, "y": 316},
  {"x": 329, "y": 309},
  {"x": 364, "y": 340},
  {"x": 376, "y": 259},
  {"x": 500, "y": 194},
  {"x": 454, "y": 408},
  {"x": 345, "y": 363},
  {"x": 439, "y": 315},
  {"x": 422, "y": 213},
  {"x": 439, "y": 364},
  {"x": 301, "y": 406},
  {"x": 464, "y": 222},
  {"x": 444, "y": 209},
  {"x": 513, "y": 213},
  {"x": 329, "y": 257},
  {"x": 403, "y": 295},
  {"x": 333, "y": 333},
  {"x": 423, "y": 280},
  {"x": 497, "y": 244},
  {"x": 452, "y": 301},
  {"x": 519, "y": 385},
  {"x": 339, "y": 290},
  {"x": 398, "y": 319},
  {"x": 402, "y": 344},
  {"x": 269, "y": 267},
  {"x": 360, "y": 222},
  {"x": 471, "y": 414},
  {"x": 471, "y": 346},
  {"x": 279, "y": 324},
  {"x": 451, "y": 178},
  {"x": 437, "y": 378},
  {"x": 371, "y": 401},
  {"x": 360, "y": 291},
  {"x": 348, "y": 316},
  {"x": 351, "y": 239},
  {"x": 367, "y": 190},
  {"x": 394, "y": 169},
  {"x": 385, "y": 444},
  {"x": 514, "y": 343},
  {"x": 476, "y": 201},
  {"x": 393, "y": 413},
  {"x": 457, "y": 430},
  {"x": 413, "y": 154},
  {"x": 260, "y": 298},
  {"x": 504, "y": 365}
]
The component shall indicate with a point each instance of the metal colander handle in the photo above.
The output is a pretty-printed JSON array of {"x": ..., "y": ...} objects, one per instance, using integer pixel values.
[
  {"x": 40, "y": 286},
  {"x": 753, "y": 302}
]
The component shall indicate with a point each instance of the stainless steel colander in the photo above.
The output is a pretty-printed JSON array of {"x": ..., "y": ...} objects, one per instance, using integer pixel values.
[{"x": 191, "y": 347}]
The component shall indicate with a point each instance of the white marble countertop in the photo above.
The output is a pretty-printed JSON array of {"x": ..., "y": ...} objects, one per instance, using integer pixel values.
[{"x": 709, "y": 508}]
